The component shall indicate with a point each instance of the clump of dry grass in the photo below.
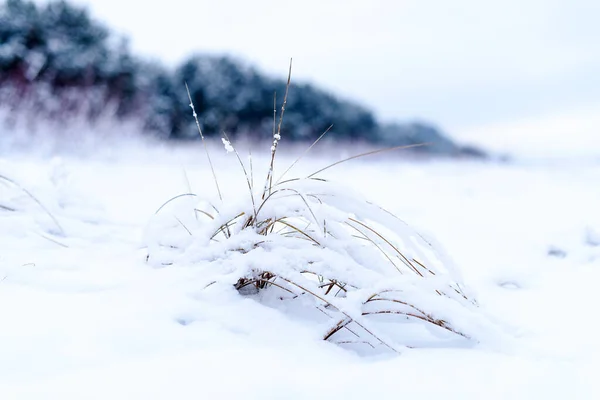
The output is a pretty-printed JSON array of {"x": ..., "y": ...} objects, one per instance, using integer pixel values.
[{"x": 306, "y": 237}]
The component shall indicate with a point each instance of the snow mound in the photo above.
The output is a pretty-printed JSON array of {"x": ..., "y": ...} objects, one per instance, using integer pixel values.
[{"x": 323, "y": 254}]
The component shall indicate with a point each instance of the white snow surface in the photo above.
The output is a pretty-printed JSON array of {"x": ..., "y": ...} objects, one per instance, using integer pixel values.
[{"x": 84, "y": 316}]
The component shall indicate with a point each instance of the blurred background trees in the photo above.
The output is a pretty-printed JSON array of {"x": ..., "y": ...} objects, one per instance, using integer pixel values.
[{"x": 58, "y": 60}]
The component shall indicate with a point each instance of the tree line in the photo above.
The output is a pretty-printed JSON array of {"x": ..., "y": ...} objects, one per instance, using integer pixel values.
[{"x": 58, "y": 58}]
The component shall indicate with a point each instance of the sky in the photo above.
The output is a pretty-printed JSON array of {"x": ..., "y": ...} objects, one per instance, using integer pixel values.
[{"x": 462, "y": 64}]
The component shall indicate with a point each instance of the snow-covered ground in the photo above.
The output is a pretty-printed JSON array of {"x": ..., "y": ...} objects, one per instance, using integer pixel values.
[{"x": 83, "y": 316}]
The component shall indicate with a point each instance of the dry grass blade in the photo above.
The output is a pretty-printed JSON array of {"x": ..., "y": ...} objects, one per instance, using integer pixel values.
[
  {"x": 299, "y": 179},
  {"x": 402, "y": 256},
  {"x": 423, "y": 266},
  {"x": 204, "y": 212},
  {"x": 333, "y": 284},
  {"x": 183, "y": 226},
  {"x": 303, "y": 154},
  {"x": 39, "y": 203},
  {"x": 298, "y": 194},
  {"x": 337, "y": 327},
  {"x": 371, "y": 299},
  {"x": 369, "y": 153},
  {"x": 342, "y": 286},
  {"x": 355, "y": 342},
  {"x": 277, "y": 137},
  {"x": 294, "y": 228},
  {"x": 245, "y": 172},
  {"x": 175, "y": 198},
  {"x": 344, "y": 313},
  {"x": 189, "y": 188},
  {"x": 287, "y": 87},
  {"x": 391, "y": 214},
  {"x": 439, "y": 323},
  {"x": 456, "y": 288},
  {"x": 424, "y": 316},
  {"x": 274, "y": 113},
  {"x": 225, "y": 227},
  {"x": 367, "y": 238},
  {"x": 251, "y": 170},
  {"x": 54, "y": 241},
  {"x": 203, "y": 141}
]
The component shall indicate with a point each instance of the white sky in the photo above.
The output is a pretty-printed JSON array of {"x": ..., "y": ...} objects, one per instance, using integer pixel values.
[{"x": 459, "y": 63}]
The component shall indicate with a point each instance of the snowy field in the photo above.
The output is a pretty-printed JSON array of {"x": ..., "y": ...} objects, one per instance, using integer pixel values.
[{"x": 83, "y": 316}]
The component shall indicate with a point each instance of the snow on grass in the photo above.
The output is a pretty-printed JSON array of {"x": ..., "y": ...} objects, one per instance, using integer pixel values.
[
  {"x": 307, "y": 240},
  {"x": 94, "y": 320}
]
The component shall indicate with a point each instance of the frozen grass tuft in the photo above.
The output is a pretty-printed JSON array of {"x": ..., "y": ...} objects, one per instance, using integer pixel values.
[{"x": 322, "y": 253}]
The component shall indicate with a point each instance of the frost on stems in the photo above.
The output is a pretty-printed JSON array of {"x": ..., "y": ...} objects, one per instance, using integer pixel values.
[
  {"x": 194, "y": 113},
  {"x": 277, "y": 134},
  {"x": 227, "y": 145},
  {"x": 203, "y": 141}
]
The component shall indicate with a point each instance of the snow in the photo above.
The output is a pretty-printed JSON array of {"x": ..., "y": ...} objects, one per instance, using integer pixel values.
[
  {"x": 564, "y": 135},
  {"x": 83, "y": 315},
  {"x": 227, "y": 145}
]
